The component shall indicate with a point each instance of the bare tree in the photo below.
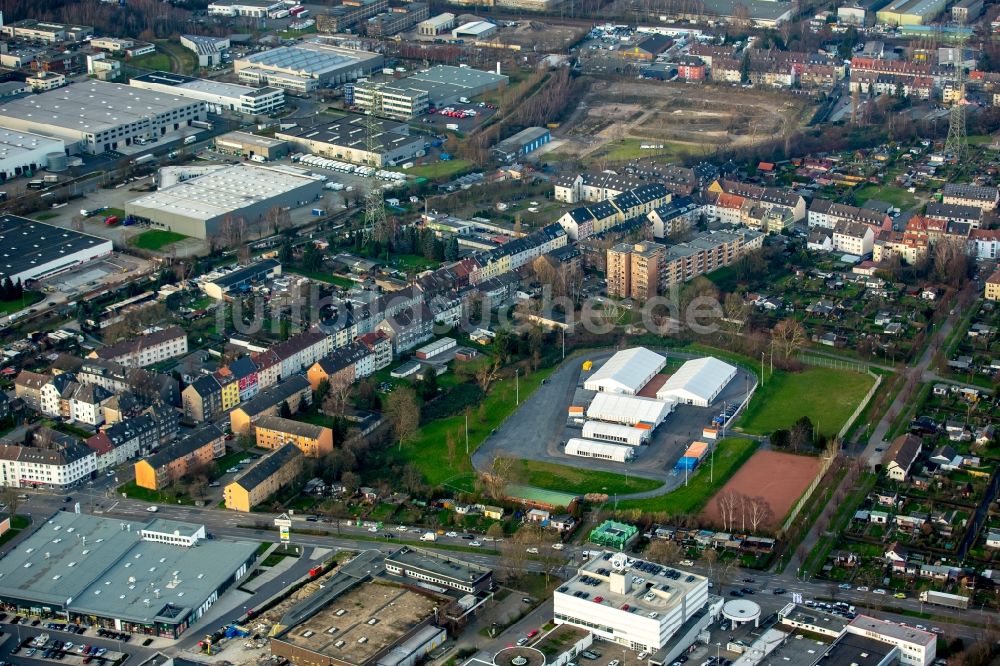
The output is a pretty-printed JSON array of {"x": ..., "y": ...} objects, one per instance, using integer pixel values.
[
  {"x": 664, "y": 551},
  {"x": 403, "y": 412},
  {"x": 759, "y": 512},
  {"x": 336, "y": 400},
  {"x": 788, "y": 336},
  {"x": 499, "y": 475},
  {"x": 486, "y": 374}
]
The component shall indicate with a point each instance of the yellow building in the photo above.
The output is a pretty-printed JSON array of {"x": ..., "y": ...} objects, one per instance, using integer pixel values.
[
  {"x": 230, "y": 391},
  {"x": 266, "y": 477},
  {"x": 992, "y": 289},
  {"x": 273, "y": 432},
  {"x": 184, "y": 457},
  {"x": 294, "y": 392}
]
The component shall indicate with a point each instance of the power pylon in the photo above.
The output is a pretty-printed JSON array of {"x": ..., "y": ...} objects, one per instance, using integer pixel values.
[
  {"x": 955, "y": 145},
  {"x": 375, "y": 225}
]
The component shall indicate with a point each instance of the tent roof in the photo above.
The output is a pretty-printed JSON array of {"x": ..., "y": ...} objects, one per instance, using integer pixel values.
[
  {"x": 701, "y": 377},
  {"x": 628, "y": 369}
]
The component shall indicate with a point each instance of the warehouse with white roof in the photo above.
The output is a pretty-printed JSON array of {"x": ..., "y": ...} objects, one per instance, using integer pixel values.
[
  {"x": 616, "y": 433},
  {"x": 199, "y": 207},
  {"x": 588, "y": 448},
  {"x": 626, "y": 372},
  {"x": 697, "y": 382},
  {"x": 24, "y": 152},
  {"x": 629, "y": 410}
]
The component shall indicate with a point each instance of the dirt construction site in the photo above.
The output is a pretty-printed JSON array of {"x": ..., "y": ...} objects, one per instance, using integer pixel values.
[{"x": 619, "y": 120}]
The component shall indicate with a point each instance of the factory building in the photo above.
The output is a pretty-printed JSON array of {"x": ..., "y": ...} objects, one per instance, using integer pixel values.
[
  {"x": 253, "y": 146},
  {"x": 346, "y": 139},
  {"x": 96, "y": 116},
  {"x": 526, "y": 141},
  {"x": 911, "y": 12},
  {"x": 248, "y": 8},
  {"x": 218, "y": 95},
  {"x": 208, "y": 49},
  {"x": 23, "y": 152},
  {"x": 446, "y": 84},
  {"x": 199, "y": 207},
  {"x": 32, "y": 250},
  {"x": 305, "y": 67},
  {"x": 475, "y": 30},
  {"x": 436, "y": 25}
]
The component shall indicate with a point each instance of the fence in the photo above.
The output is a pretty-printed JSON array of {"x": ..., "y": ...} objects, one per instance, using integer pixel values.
[
  {"x": 835, "y": 363},
  {"x": 861, "y": 405},
  {"x": 793, "y": 514}
]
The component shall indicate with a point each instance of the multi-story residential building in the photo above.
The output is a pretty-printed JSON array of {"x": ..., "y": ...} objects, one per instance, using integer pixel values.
[
  {"x": 827, "y": 214},
  {"x": 853, "y": 238},
  {"x": 28, "y": 387},
  {"x": 991, "y": 290},
  {"x": 633, "y": 270},
  {"x": 971, "y": 215},
  {"x": 706, "y": 253},
  {"x": 273, "y": 472},
  {"x": 273, "y": 432},
  {"x": 674, "y": 217},
  {"x": 202, "y": 399},
  {"x": 984, "y": 244},
  {"x": 186, "y": 456},
  {"x": 147, "y": 349},
  {"x": 268, "y": 368},
  {"x": 300, "y": 351},
  {"x": 125, "y": 440},
  {"x": 229, "y": 390},
  {"x": 55, "y": 395},
  {"x": 147, "y": 386},
  {"x": 585, "y": 221},
  {"x": 909, "y": 247},
  {"x": 294, "y": 392},
  {"x": 380, "y": 345},
  {"x": 765, "y": 196},
  {"x": 49, "y": 459},
  {"x": 343, "y": 366},
  {"x": 970, "y": 195},
  {"x": 408, "y": 328},
  {"x": 86, "y": 404}
]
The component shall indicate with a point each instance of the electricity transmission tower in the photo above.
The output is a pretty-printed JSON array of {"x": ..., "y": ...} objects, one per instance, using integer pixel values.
[
  {"x": 955, "y": 145},
  {"x": 374, "y": 228}
]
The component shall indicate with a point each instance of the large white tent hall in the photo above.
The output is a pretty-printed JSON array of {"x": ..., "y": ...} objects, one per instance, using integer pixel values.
[
  {"x": 626, "y": 372},
  {"x": 698, "y": 382}
]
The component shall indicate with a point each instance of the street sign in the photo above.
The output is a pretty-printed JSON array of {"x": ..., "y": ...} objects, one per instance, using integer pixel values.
[
  {"x": 284, "y": 534},
  {"x": 284, "y": 525}
]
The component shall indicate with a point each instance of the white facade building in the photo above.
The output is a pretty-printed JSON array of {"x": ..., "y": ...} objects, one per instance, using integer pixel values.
[
  {"x": 698, "y": 382},
  {"x": 615, "y": 432},
  {"x": 58, "y": 467},
  {"x": 653, "y": 615},
  {"x": 220, "y": 96},
  {"x": 589, "y": 448},
  {"x": 24, "y": 151},
  {"x": 626, "y": 372},
  {"x": 916, "y": 647},
  {"x": 629, "y": 410},
  {"x": 146, "y": 349}
]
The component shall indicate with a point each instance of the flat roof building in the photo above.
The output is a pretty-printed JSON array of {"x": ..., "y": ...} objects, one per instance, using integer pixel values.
[
  {"x": 97, "y": 116},
  {"x": 626, "y": 372},
  {"x": 602, "y": 598},
  {"x": 250, "y": 145},
  {"x": 439, "y": 570},
  {"x": 445, "y": 84},
  {"x": 241, "y": 279},
  {"x": 391, "y": 100},
  {"x": 524, "y": 142},
  {"x": 911, "y": 12},
  {"x": 697, "y": 382},
  {"x": 33, "y": 250},
  {"x": 305, "y": 67},
  {"x": 22, "y": 152},
  {"x": 155, "y": 578},
  {"x": 199, "y": 207},
  {"x": 474, "y": 30},
  {"x": 209, "y": 49},
  {"x": 345, "y": 138},
  {"x": 218, "y": 95}
]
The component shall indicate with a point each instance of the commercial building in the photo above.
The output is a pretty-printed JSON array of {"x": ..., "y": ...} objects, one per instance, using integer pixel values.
[
  {"x": 603, "y": 599},
  {"x": 698, "y": 382},
  {"x": 911, "y": 12},
  {"x": 218, "y": 95},
  {"x": 24, "y": 152},
  {"x": 264, "y": 478},
  {"x": 274, "y": 432},
  {"x": 590, "y": 448},
  {"x": 633, "y": 269},
  {"x": 524, "y": 142},
  {"x": 199, "y": 207},
  {"x": 396, "y": 20},
  {"x": 348, "y": 14},
  {"x": 629, "y": 410},
  {"x": 209, "y": 49},
  {"x": 391, "y": 100},
  {"x": 439, "y": 570},
  {"x": 46, "y": 31},
  {"x": 241, "y": 279},
  {"x": 33, "y": 250},
  {"x": 346, "y": 139},
  {"x": 626, "y": 372},
  {"x": 966, "y": 11},
  {"x": 916, "y": 647},
  {"x": 248, "y": 8},
  {"x": 147, "y": 349},
  {"x": 615, "y": 432},
  {"x": 446, "y": 84},
  {"x": 305, "y": 67},
  {"x": 436, "y": 25},
  {"x": 253, "y": 146},
  {"x": 157, "y": 578},
  {"x": 97, "y": 116},
  {"x": 191, "y": 453},
  {"x": 49, "y": 459}
]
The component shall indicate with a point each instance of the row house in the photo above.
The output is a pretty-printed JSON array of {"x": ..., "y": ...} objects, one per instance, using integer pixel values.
[
  {"x": 597, "y": 218},
  {"x": 125, "y": 440},
  {"x": 300, "y": 351},
  {"x": 766, "y": 196},
  {"x": 982, "y": 197},
  {"x": 147, "y": 386},
  {"x": 294, "y": 392},
  {"x": 971, "y": 215},
  {"x": 594, "y": 187},
  {"x": 343, "y": 366},
  {"x": 146, "y": 349},
  {"x": 825, "y": 213},
  {"x": 46, "y": 459}
]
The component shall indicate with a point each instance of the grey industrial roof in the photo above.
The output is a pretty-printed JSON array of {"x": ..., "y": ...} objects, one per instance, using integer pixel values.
[
  {"x": 248, "y": 272},
  {"x": 222, "y": 88},
  {"x": 448, "y": 81},
  {"x": 246, "y": 138},
  {"x": 439, "y": 565},
  {"x": 349, "y": 131},
  {"x": 26, "y": 244},
  {"x": 267, "y": 466},
  {"x": 854, "y": 650},
  {"x": 756, "y": 9},
  {"x": 309, "y": 58},
  {"x": 13, "y": 143},
  {"x": 92, "y": 106},
  {"x": 522, "y": 138}
]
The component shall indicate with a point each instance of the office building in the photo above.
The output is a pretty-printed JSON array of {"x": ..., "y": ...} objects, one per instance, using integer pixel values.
[
  {"x": 439, "y": 570},
  {"x": 391, "y": 100},
  {"x": 97, "y": 116},
  {"x": 218, "y": 95},
  {"x": 253, "y": 146}
]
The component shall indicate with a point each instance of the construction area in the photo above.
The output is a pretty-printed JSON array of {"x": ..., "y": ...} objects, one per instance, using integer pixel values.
[{"x": 623, "y": 120}]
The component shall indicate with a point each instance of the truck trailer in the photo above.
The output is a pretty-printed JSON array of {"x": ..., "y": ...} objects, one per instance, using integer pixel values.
[{"x": 944, "y": 599}]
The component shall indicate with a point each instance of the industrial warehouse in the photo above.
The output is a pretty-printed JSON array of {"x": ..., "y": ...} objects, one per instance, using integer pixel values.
[
  {"x": 22, "y": 153},
  {"x": 306, "y": 67},
  {"x": 95, "y": 116},
  {"x": 199, "y": 207},
  {"x": 218, "y": 95},
  {"x": 155, "y": 578},
  {"x": 345, "y": 138},
  {"x": 33, "y": 250}
]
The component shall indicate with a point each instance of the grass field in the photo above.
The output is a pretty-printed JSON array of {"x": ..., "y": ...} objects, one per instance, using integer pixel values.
[
  {"x": 730, "y": 454},
  {"x": 321, "y": 276},
  {"x": 630, "y": 149},
  {"x": 563, "y": 478},
  {"x": 17, "y": 523},
  {"x": 156, "y": 61},
  {"x": 827, "y": 396},
  {"x": 897, "y": 196},
  {"x": 156, "y": 239},
  {"x": 187, "y": 61},
  {"x": 429, "y": 450},
  {"x": 130, "y": 489},
  {"x": 30, "y": 298},
  {"x": 438, "y": 169}
]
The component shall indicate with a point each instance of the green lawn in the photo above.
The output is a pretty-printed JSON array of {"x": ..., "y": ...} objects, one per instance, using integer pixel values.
[
  {"x": 563, "y": 478},
  {"x": 414, "y": 261},
  {"x": 154, "y": 61},
  {"x": 41, "y": 217},
  {"x": 30, "y": 298},
  {"x": 827, "y": 396},
  {"x": 429, "y": 451},
  {"x": 630, "y": 149},
  {"x": 438, "y": 170},
  {"x": 130, "y": 489},
  {"x": 896, "y": 196},
  {"x": 156, "y": 239},
  {"x": 322, "y": 276},
  {"x": 730, "y": 454},
  {"x": 17, "y": 523}
]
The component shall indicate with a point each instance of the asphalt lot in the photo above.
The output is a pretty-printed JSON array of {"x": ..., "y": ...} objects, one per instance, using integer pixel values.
[{"x": 538, "y": 430}]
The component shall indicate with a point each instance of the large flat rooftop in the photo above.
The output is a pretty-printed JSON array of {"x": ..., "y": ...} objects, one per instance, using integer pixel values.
[
  {"x": 207, "y": 86},
  {"x": 349, "y": 131},
  {"x": 309, "y": 58},
  {"x": 91, "y": 106},
  {"x": 443, "y": 81},
  {"x": 224, "y": 191},
  {"x": 26, "y": 244},
  {"x": 440, "y": 565},
  {"x": 363, "y": 621},
  {"x": 14, "y": 143}
]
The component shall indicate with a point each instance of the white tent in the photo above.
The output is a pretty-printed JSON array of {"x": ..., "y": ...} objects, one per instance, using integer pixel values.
[
  {"x": 615, "y": 432},
  {"x": 588, "y": 448},
  {"x": 698, "y": 382},
  {"x": 629, "y": 409},
  {"x": 626, "y": 372}
]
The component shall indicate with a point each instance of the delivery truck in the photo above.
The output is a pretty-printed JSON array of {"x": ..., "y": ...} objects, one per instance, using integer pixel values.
[{"x": 944, "y": 599}]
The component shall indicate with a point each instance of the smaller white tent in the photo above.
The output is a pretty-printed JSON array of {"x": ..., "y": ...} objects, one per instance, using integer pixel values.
[
  {"x": 588, "y": 448},
  {"x": 626, "y": 372},
  {"x": 629, "y": 409},
  {"x": 698, "y": 382},
  {"x": 615, "y": 432}
]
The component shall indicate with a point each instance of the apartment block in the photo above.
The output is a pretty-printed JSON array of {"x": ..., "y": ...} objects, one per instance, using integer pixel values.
[
  {"x": 633, "y": 269},
  {"x": 274, "y": 432},
  {"x": 264, "y": 478}
]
